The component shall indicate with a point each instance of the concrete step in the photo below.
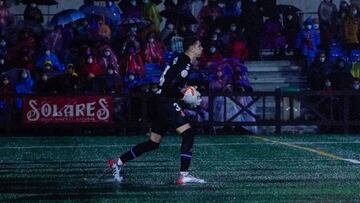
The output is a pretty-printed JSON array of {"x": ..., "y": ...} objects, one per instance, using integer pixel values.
[
  {"x": 275, "y": 63},
  {"x": 273, "y": 86},
  {"x": 273, "y": 68},
  {"x": 257, "y": 79}
]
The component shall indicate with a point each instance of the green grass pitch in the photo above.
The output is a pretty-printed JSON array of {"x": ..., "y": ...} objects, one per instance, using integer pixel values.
[{"x": 298, "y": 168}]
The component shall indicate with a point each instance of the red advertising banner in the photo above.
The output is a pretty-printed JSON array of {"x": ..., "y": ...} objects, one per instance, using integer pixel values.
[{"x": 61, "y": 110}]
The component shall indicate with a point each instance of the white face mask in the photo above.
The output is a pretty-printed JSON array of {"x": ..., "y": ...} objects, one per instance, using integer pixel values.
[
  {"x": 33, "y": 5},
  {"x": 110, "y": 3},
  {"x": 3, "y": 43},
  {"x": 1, "y": 3},
  {"x": 48, "y": 52},
  {"x": 2, "y": 61},
  {"x": 131, "y": 77},
  {"x": 232, "y": 28},
  {"x": 170, "y": 27},
  {"x": 328, "y": 83},
  {"x": 47, "y": 67},
  {"x": 6, "y": 81},
  {"x": 221, "y": 5},
  {"x": 356, "y": 86},
  {"x": 355, "y": 12},
  {"x": 289, "y": 17},
  {"x": 309, "y": 27},
  {"x": 322, "y": 59},
  {"x": 133, "y": 3},
  {"x": 110, "y": 71},
  {"x": 44, "y": 77},
  {"x": 133, "y": 29},
  {"x": 316, "y": 26},
  {"x": 212, "y": 50},
  {"x": 24, "y": 75},
  {"x": 146, "y": 1},
  {"x": 90, "y": 60},
  {"x": 107, "y": 53},
  {"x": 217, "y": 30},
  {"x": 151, "y": 40}
]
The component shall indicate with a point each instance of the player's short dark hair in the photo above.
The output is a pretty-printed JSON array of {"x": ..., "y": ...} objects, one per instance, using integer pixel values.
[{"x": 189, "y": 41}]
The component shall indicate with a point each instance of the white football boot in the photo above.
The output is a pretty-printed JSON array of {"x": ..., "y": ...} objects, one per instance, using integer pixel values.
[
  {"x": 186, "y": 178},
  {"x": 115, "y": 170}
]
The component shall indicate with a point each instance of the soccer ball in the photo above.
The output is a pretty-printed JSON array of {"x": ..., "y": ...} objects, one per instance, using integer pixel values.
[{"x": 192, "y": 97}]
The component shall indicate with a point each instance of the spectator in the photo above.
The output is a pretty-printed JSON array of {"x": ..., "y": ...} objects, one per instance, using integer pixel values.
[
  {"x": 340, "y": 77},
  {"x": 33, "y": 13},
  {"x": 319, "y": 70},
  {"x": 104, "y": 30},
  {"x": 342, "y": 14},
  {"x": 327, "y": 12},
  {"x": 291, "y": 29},
  {"x": 133, "y": 9},
  {"x": 351, "y": 29},
  {"x": 91, "y": 69},
  {"x": 308, "y": 42},
  {"x": 24, "y": 83},
  {"x": 253, "y": 27},
  {"x": 49, "y": 56},
  {"x": 153, "y": 50},
  {"x": 212, "y": 11},
  {"x": 108, "y": 59},
  {"x": 273, "y": 38},
  {"x": 5, "y": 17},
  {"x": 152, "y": 13},
  {"x": 239, "y": 49},
  {"x": 3, "y": 47}
]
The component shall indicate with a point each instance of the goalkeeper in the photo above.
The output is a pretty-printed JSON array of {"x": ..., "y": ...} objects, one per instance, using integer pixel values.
[{"x": 168, "y": 113}]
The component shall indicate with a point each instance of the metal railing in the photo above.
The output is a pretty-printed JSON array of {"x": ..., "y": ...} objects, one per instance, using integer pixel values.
[{"x": 338, "y": 110}]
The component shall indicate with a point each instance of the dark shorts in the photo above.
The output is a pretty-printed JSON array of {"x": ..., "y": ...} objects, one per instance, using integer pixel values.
[{"x": 166, "y": 113}]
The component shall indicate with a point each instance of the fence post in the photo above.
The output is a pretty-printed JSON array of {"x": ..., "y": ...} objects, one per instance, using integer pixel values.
[
  {"x": 211, "y": 112},
  {"x": 346, "y": 114},
  {"x": 278, "y": 111}
]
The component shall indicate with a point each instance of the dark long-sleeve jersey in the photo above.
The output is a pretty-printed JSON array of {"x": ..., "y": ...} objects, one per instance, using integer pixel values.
[{"x": 175, "y": 77}]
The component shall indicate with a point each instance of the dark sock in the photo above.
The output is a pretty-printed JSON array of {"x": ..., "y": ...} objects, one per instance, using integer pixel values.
[
  {"x": 186, "y": 146},
  {"x": 139, "y": 150}
]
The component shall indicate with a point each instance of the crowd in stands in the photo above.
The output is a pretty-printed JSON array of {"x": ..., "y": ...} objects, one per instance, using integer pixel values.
[{"x": 101, "y": 53}]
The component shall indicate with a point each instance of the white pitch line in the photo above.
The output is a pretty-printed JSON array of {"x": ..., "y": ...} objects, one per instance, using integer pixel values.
[{"x": 165, "y": 145}]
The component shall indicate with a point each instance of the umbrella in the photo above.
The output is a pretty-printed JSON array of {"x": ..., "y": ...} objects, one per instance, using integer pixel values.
[
  {"x": 179, "y": 16},
  {"x": 99, "y": 11},
  {"x": 132, "y": 21},
  {"x": 67, "y": 16},
  {"x": 284, "y": 9},
  {"x": 40, "y": 2}
]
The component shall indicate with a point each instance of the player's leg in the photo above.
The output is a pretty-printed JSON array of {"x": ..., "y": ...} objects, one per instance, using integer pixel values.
[
  {"x": 188, "y": 135},
  {"x": 152, "y": 144}
]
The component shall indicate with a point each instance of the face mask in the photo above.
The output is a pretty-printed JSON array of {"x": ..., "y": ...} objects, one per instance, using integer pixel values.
[
  {"x": 232, "y": 28},
  {"x": 131, "y": 77},
  {"x": 110, "y": 3},
  {"x": 316, "y": 26},
  {"x": 214, "y": 37},
  {"x": 151, "y": 40},
  {"x": 170, "y": 27},
  {"x": 133, "y": 3},
  {"x": 146, "y": 1},
  {"x": 44, "y": 77},
  {"x": 356, "y": 86},
  {"x": 328, "y": 83},
  {"x": 24, "y": 75},
  {"x": 212, "y": 50},
  {"x": 254, "y": 1},
  {"x": 2, "y": 61},
  {"x": 1, "y": 3},
  {"x": 26, "y": 58},
  {"x": 110, "y": 71},
  {"x": 309, "y": 27},
  {"x": 6, "y": 81},
  {"x": 219, "y": 74},
  {"x": 107, "y": 53},
  {"x": 3, "y": 43},
  {"x": 90, "y": 60},
  {"x": 33, "y": 5},
  {"x": 134, "y": 29},
  {"x": 354, "y": 12},
  {"x": 221, "y": 5},
  {"x": 289, "y": 17},
  {"x": 47, "y": 52},
  {"x": 217, "y": 31},
  {"x": 322, "y": 59},
  {"x": 47, "y": 67}
]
